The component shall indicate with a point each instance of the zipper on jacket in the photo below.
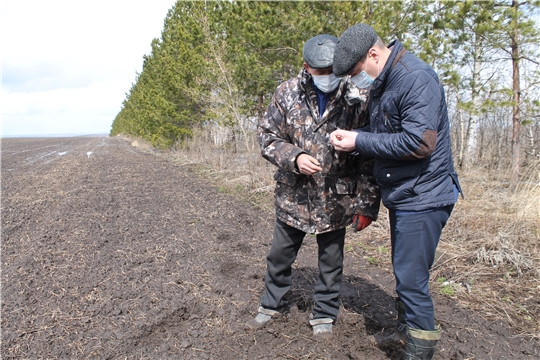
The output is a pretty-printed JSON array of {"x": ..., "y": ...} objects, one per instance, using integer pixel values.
[{"x": 387, "y": 124}]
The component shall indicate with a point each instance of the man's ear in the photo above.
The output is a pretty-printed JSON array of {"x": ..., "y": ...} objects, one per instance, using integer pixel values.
[
  {"x": 306, "y": 66},
  {"x": 374, "y": 53}
]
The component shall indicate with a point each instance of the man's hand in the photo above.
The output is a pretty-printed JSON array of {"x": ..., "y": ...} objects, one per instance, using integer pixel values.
[
  {"x": 360, "y": 222},
  {"x": 343, "y": 140},
  {"x": 307, "y": 164}
]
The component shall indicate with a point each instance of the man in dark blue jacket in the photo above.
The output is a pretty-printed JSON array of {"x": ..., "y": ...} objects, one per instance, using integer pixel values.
[{"x": 410, "y": 141}]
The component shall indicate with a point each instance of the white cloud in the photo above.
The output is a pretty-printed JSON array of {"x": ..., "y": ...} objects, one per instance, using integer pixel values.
[{"x": 66, "y": 65}]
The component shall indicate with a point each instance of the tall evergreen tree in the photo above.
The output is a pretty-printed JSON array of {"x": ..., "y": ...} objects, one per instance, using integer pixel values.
[
  {"x": 164, "y": 104},
  {"x": 220, "y": 61}
]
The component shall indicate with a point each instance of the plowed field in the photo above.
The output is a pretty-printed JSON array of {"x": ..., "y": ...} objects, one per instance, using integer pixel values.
[{"x": 110, "y": 252}]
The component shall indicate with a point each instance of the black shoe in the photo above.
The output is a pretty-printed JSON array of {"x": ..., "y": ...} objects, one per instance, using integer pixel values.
[{"x": 398, "y": 337}]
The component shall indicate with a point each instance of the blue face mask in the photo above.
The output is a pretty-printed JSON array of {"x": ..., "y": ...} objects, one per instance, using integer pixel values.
[
  {"x": 326, "y": 83},
  {"x": 362, "y": 80}
]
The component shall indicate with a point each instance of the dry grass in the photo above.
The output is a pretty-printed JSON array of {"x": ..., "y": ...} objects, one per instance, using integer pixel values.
[
  {"x": 238, "y": 172},
  {"x": 489, "y": 253},
  {"x": 489, "y": 256}
]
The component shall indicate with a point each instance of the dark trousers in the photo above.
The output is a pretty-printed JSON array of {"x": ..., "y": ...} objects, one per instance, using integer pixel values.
[
  {"x": 415, "y": 237},
  {"x": 285, "y": 245}
]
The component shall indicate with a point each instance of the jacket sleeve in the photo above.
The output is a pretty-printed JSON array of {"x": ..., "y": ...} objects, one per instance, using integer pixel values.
[
  {"x": 418, "y": 102},
  {"x": 276, "y": 143}
]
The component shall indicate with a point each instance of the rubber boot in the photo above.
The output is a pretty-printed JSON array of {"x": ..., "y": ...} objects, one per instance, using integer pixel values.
[
  {"x": 399, "y": 336},
  {"x": 421, "y": 344}
]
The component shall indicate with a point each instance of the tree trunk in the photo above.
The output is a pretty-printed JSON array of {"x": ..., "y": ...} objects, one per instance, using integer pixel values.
[
  {"x": 531, "y": 154},
  {"x": 470, "y": 154},
  {"x": 234, "y": 141},
  {"x": 461, "y": 130},
  {"x": 516, "y": 123},
  {"x": 499, "y": 150},
  {"x": 261, "y": 110}
]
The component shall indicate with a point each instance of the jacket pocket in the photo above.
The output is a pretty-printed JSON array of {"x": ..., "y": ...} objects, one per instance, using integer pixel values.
[
  {"x": 398, "y": 180},
  {"x": 402, "y": 192},
  {"x": 345, "y": 186},
  {"x": 286, "y": 177},
  {"x": 394, "y": 173},
  {"x": 389, "y": 113}
]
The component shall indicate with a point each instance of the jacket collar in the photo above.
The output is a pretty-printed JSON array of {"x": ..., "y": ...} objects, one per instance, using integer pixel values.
[
  {"x": 306, "y": 84},
  {"x": 378, "y": 85}
]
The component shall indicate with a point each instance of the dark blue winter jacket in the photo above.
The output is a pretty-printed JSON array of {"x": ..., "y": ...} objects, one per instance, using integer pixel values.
[{"x": 409, "y": 135}]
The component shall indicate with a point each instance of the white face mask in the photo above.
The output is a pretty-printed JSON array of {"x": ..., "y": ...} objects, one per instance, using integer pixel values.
[
  {"x": 326, "y": 83},
  {"x": 362, "y": 80}
]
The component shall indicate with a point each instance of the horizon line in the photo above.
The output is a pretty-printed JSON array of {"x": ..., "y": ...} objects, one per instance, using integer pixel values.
[{"x": 3, "y": 136}]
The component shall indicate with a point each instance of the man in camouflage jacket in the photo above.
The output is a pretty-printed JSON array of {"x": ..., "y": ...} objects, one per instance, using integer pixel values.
[{"x": 318, "y": 190}]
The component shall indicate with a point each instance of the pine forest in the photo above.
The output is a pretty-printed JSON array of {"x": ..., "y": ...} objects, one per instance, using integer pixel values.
[{"x": 217, "y": 63}]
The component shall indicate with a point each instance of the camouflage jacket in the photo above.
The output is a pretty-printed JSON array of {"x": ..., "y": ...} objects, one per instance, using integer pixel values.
[{"x": 325, "y": 201}]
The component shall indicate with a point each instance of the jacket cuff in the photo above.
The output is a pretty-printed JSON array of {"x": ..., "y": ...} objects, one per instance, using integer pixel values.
[{"x": 294, "y": 167}]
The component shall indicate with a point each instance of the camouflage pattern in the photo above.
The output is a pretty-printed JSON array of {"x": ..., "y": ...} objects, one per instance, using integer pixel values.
[{"x": 325, "y": 201}]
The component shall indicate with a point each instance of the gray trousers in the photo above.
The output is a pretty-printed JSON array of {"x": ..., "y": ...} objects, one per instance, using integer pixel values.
[{"x": 285, "y": 245}]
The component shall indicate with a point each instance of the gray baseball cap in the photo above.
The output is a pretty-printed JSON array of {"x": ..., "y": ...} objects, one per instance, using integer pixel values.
[{"x": 319, "y": 51}]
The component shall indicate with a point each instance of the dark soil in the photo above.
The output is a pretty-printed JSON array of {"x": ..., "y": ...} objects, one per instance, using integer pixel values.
[{"x": 111, "y": 252}]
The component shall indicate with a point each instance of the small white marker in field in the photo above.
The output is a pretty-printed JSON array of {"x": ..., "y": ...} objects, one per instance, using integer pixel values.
[
  {"x": 89, "y": 153},
  {"x": 62, "y": 153}
]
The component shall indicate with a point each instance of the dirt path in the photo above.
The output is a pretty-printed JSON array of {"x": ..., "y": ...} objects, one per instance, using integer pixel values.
[{"x": 109, "y": 252}]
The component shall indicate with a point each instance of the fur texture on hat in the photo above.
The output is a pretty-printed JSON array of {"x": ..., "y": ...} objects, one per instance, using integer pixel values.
[
  {"x": 319, "y": 51},
  {"x": 352, "y": 45}
]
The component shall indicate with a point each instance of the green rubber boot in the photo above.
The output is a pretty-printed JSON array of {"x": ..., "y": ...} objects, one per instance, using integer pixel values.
[{"x": 421, "y": 344}]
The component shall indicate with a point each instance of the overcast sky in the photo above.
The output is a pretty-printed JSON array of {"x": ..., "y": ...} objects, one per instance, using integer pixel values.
[{"x": 67, "y": 65}]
